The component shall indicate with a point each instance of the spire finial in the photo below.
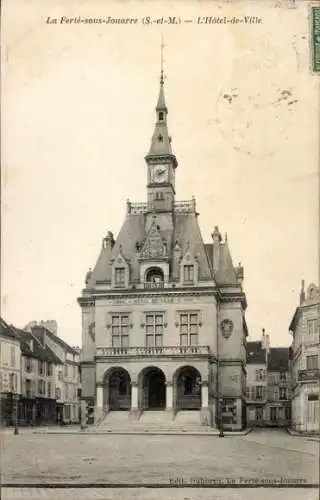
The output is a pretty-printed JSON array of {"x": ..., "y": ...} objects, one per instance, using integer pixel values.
[{"x": 161, "y": 73}]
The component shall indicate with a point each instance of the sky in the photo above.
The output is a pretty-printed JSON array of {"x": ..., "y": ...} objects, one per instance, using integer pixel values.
[{"x": 77, "y": 120}]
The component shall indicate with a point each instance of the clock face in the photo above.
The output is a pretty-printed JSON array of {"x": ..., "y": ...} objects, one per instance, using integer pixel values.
[{"x": 160, "y": 173}]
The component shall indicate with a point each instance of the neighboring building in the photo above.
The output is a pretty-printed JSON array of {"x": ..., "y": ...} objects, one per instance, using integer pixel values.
[
  {"x": 163, "y": 313},
  {"x": 268, "y": 384},
  {"x": 67, "y": 382},
  {"x": 256, "y": 384},
  {"x": 10, "y": 365},
  {"x": 278, "y": 408},
  {"x": 305, "y": 361},
  {"x": 39, "y": 366}
]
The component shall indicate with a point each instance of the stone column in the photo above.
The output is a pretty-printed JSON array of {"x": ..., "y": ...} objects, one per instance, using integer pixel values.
[
  {"x": 99, "y": 413},
  {"x": 238, "y": 425},
  {"x": 169, "y": 396},
  {"x": 134, "y": 412},
  {"x": 205, "y": 416},
  {"x": 204, "y": 395}
]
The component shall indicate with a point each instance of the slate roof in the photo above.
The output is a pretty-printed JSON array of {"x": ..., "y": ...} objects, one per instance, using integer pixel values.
[
  {"x": 40, "y": 330},
  {"x": 255, "y": 353},
  {"x": 39, "y": 351},
  {"x": 186, "y": 231},
  {"x": 7, "y": 331},
  {"x": 278, "y": 359},
  {"x": 226, "y": 274}
]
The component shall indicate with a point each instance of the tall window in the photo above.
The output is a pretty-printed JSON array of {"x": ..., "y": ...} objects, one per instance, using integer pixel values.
[
  {"x": 283, "y": 376},
  {"x": 120, "y": 330},
  {"x": 283, "y": 393},
  {"x": 58, "y": 393},
  {"x": 41, "y": 387},
  {"x": 273, "y": 413},
  {"x": 188, "y": 273},
  {"x": 66, "y": 370},
  {"x": 154, "y": 329},
  {"x": 260, "y": 374},
  {"x": 41, "y": 367},
  {"x": 119, "y": 276},
  {"x": 312, "y": 326},
  {"x": 189, "y": 329},
  {"x": 259, "y": 392},
  {"x": 60, "y": 375},
  {"x": 49, "y": 369},
  {"x": 49, "y": 389},
  {"x": 28, "y": 364},
  {"x": 11, "y": 382},
  {"x": 13, "y": 356},
  {"x": 312, "y": 362},
  {"x": 160, "y": 116}
]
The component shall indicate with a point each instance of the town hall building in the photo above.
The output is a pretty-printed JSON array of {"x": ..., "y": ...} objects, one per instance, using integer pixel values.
[{"x": 163, "y": 313}]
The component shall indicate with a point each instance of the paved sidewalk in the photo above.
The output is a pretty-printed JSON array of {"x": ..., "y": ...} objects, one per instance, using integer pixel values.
[{"x": 157, "y": 494}]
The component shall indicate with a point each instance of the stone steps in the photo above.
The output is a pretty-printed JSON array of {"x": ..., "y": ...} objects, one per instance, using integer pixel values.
[{"x": 155, "y": 422}]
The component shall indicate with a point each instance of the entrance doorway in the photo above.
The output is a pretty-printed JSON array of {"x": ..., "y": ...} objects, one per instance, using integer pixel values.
[
  {"x": 119, "y": 390},
  {"x": 188, "y": 388},
  {"x": 153, "y": 389}
]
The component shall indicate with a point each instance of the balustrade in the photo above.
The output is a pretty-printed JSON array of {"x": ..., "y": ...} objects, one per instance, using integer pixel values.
[{"x": 152, "y": 350}]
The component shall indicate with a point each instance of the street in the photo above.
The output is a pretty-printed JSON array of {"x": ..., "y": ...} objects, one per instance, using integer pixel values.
[{"x": 160, "y": 460}]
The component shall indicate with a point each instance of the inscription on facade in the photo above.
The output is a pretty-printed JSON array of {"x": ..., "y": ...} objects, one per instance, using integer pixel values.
[{"x": 154, "y": 300}]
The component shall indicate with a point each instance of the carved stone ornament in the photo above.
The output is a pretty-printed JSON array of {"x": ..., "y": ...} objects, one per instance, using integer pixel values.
[
  {"x": 226, "y": 327},
  {"x": 91, "y": 330},
  {"x": 154, "y": 246}
]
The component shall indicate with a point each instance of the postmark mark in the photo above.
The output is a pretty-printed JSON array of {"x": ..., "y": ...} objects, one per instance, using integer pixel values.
[{"x": 315, "y": 37}]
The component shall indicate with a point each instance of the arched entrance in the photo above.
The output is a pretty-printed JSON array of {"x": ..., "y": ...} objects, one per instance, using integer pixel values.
[
  {"x": 119, "y": 390},
  {"x": 152, "y": 389},
  {"x": 187, "y": 383}
]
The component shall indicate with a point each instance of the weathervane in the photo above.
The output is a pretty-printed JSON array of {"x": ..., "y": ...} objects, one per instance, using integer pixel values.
[{"x": 162, "y": 74}]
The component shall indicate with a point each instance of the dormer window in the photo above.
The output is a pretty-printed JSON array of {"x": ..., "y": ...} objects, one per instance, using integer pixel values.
[
  {"x": 188, "y": 273},
  {"x": 160, "y": 138},
  {"x": 119, "y": 276},
  {"x": 161, "y": 116}
]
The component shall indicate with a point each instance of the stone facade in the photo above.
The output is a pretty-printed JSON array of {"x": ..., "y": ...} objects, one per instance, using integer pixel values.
[
  {"x": 256, "y": 383},
  {"x": 67, "y": 376},
  {"x": 10, "y": 363},
  {"x": 268, "y": 385},
  {"x": 305, "y": 361},
  {"x": 163, "y": 314}
]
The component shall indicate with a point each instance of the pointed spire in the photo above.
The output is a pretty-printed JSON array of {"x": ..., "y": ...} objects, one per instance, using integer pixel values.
[{"x": 161, "y": 141}]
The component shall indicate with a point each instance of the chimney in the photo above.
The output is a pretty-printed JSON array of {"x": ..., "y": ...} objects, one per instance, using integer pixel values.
[
  {"x": 302, "y": 293},
  {"x": 263, "y": 338},
  {"x": 38, "y": 332},
  {"x": 239, "y": 273},
  {"x": 51, "y": 325},
  {"x": 108, "y": 241}
]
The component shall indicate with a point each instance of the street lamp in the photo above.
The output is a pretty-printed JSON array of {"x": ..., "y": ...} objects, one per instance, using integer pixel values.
[
  {"x": 221, "y": 433},
  {"x": 16, "y": 399}
]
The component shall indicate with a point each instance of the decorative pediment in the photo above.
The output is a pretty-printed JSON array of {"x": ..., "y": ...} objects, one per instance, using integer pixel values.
[
  {"x": 154, "y": 247},
  {"x": 120, "y": 270},
  {"x": 189, "y": 267}
]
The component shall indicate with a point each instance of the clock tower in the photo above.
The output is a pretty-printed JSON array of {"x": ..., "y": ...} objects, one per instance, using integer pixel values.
[{"x": 161, "y": 161}]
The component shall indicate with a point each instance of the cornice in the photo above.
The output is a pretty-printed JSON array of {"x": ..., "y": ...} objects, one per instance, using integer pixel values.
[
  {"x": 87, "y": 363},
  {"x": 155, "y": 358}
]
